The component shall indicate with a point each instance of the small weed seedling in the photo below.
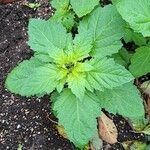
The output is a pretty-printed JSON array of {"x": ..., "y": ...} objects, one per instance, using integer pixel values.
[{"x": 33, "y": 6}]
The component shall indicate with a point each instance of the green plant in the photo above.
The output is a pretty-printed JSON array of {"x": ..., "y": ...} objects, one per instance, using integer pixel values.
[
  {"x": 80, "y": 70},
  {"x": 32, "y": 5},
  {"x": 137, "y": 14},
  {"x": 19, "y": 147}
]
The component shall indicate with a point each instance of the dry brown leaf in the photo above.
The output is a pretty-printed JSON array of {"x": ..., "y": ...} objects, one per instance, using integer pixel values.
[
  {"x": 145, "y": 86},
  {"x": 61, "y": 131},
  {"x": 107, "y": 129}
]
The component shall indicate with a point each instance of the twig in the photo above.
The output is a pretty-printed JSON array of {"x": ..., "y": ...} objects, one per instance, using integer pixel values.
[{"x": 55, "y": 122}]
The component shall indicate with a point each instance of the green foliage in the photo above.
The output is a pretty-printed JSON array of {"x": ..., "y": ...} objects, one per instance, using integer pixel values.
[
  {"x": 63, "y": 13},
  {"x": 86, "y": 68},
  {"x": 139, "y": 146},
  {"x": 43, "y": 35},
  {"x": 124, "y": 100},
  {"x": 140, "y": 62},
  {"x": 137, "y": 38},
  {"x": 78, "y": 117},
  {"x": 19, "y": 147},
  {"x": 122, "y": 57},
  {"x": 32, "y": 77},
  {"x": 83, "y": 7},
  {"x": 61, "y": 5},
  {"x": 136, "y": 13},
  {"x": 106, "y": 27},
  {"x": 32, "y": 5},
  {"x": 67, "y": 67},
  {"x": 107, "y": 74}
]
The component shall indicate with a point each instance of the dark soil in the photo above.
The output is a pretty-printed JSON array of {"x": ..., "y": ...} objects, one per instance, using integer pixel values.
[{"x": 23, "y": 120}]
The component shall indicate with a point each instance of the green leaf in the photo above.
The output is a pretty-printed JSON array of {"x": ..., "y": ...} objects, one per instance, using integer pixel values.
[
  {"x": 82, "y": 45},
  {"x": 77, "y": 79},
  {"x": 137, "y": 38},
  {"x": 77, "y": 117},
  {"x": 60, "y": 5},
  {"x": 77, "y": 83},
  {"x": 124, "y": 100},
  {"x": 43, "y": 57},
  {"x": 136, "y": 13},
  {"x": 33, "y": 6},
  {"x": 83, "y": 7},
  {"x": 66, "y": 19},
  {"x": 63, "y": 14},
  {"x": 20, "y": 147},
  {"x": 61, "y": 84},
  {"x": 107, "y": 28},
  {"x": 77, "y": 50},
  {"x": 148, "y": 147},
  {"x": 138, "y": 146},
  {"x": 140, "y": 62},
  {"x": 107, "y": 74},
  {"x": 147, "y": 130},
  {"x": 45, "y": 35},
  {"x": 33, "y": 78},
  {"x": 139, "y": 124},
  {"x": 122, "y": 57},
  {"x": 118, "y": 59}
]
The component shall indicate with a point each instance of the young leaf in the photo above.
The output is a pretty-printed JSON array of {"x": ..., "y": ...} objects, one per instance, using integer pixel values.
[
  {"x": 77, "y": 83},
  {"x": 147, "y": 130},
  {"x": 83, "y": 7},
  {"x": 122, "y": 57},
  {"x": 140, "y": 62},
  {"x": 139, "y": 124},
  {"x": 77, "y": 80},
  {"x": 138, "y": 146},
  {"x": 137, "y": 38},
  {"x": 82, "y": 45},
  {"x": 107, "y": 74},
  {"x": 118, "y": 59},
  {"x": 77, "y": 117},
  {"x": 136, "y": 13},
  {"x": 106, "y": 27},
  {"x": 107, "y": 129},
  {"x": 45, "y": 35},
  {"x": 60, "y": 5},
  {"x": 66, "y": 19},
  {"x": 60, "y": 84},
  {"x": 20, "y": 147},
  {"x": 124, "y": 100},
  {"x": 77, "y": 50},
  {"x": 63, "y": 14},
  {"x": 33, "y": 78}
]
